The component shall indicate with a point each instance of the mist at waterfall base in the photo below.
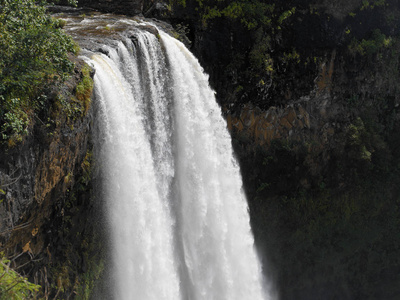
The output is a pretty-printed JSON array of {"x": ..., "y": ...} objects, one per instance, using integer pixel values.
[{"x": 178, "y": 218}]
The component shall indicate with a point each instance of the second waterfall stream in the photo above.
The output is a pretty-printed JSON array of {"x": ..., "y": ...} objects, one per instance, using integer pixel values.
[{"x": 178, "y": 218}]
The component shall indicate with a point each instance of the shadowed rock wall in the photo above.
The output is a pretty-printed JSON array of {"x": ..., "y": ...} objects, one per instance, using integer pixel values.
[
  {"x": 127, "y": 7},
  {"x": 45, "y": 200}
]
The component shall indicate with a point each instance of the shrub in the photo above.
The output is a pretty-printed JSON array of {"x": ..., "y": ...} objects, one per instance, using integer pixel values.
[
  {"x": 370, "y": 46},
  {"x": 13, "y": 285},
  {"x": 33, "y": 55}
]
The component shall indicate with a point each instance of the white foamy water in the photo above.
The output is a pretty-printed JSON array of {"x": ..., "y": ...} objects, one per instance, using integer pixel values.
[{"x": 173, "y": 192}]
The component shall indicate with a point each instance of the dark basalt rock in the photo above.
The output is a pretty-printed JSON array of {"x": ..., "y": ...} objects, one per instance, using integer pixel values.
[
  {"x": 38, "y": 176},
  {"x": 293, "y": 141},
  {"x": 126, "y": 7}
]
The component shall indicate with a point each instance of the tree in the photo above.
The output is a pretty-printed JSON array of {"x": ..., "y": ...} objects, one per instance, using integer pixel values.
[{"x": 33, "y": 55}]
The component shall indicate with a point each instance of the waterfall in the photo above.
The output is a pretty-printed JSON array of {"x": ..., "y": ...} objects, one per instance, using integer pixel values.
[{"x": 178, "y": 218}]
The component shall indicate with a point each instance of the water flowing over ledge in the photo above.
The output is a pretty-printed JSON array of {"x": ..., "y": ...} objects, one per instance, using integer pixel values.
[{"x": 178, "y": 218}]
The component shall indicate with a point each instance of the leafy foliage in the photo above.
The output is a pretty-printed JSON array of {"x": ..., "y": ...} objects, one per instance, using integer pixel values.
[
  {"x": 14, "y": 286},
  {"x": 366, "y": 4},
  {"x": 370, "y": 46},
  {"x": 252, "y": 14},
  {"x": 257, "y": 54},
  {"x": 33, "y": 55}
]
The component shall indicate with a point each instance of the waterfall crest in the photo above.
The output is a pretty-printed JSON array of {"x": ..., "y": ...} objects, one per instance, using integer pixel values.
[{"x": 172, "y": 187}]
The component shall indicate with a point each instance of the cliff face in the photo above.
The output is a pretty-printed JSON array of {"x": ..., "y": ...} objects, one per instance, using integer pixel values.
[
  {"x": 45, "y": 211},
  {"x": 315, "y": 132},
  {"x": 321, "y": 175}
]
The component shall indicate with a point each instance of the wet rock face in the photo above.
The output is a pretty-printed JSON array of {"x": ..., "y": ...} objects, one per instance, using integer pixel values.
[
  {"x": 263, "y": 127},
  {"x": 36, "y": 176},
  {"x": 46, "y": 214},
  {"x": 17, "y": 181}
]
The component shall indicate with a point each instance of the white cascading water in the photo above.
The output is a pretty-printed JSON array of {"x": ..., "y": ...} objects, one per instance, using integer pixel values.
[{"x": 179, "y": 219}]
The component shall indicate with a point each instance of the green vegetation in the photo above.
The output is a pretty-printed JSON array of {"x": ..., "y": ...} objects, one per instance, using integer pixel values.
[
  {"x": 357, "y": 141},
  {"x": 84, "y": 89},
  {"x": 181, "y": 33},
  {"x": 13, "y": 286},
  {"x": 328, "y": 211},
  {"x": 90, "y": 279},
  {"x": 33, "y": 57},
  {"x": 256, "y": 52},
  {"x": 372, "y": 45},
  {"x": 72, "y": 106},
  {"x": 252, "y": 14},
  {"x": 371, "y": 4}
]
